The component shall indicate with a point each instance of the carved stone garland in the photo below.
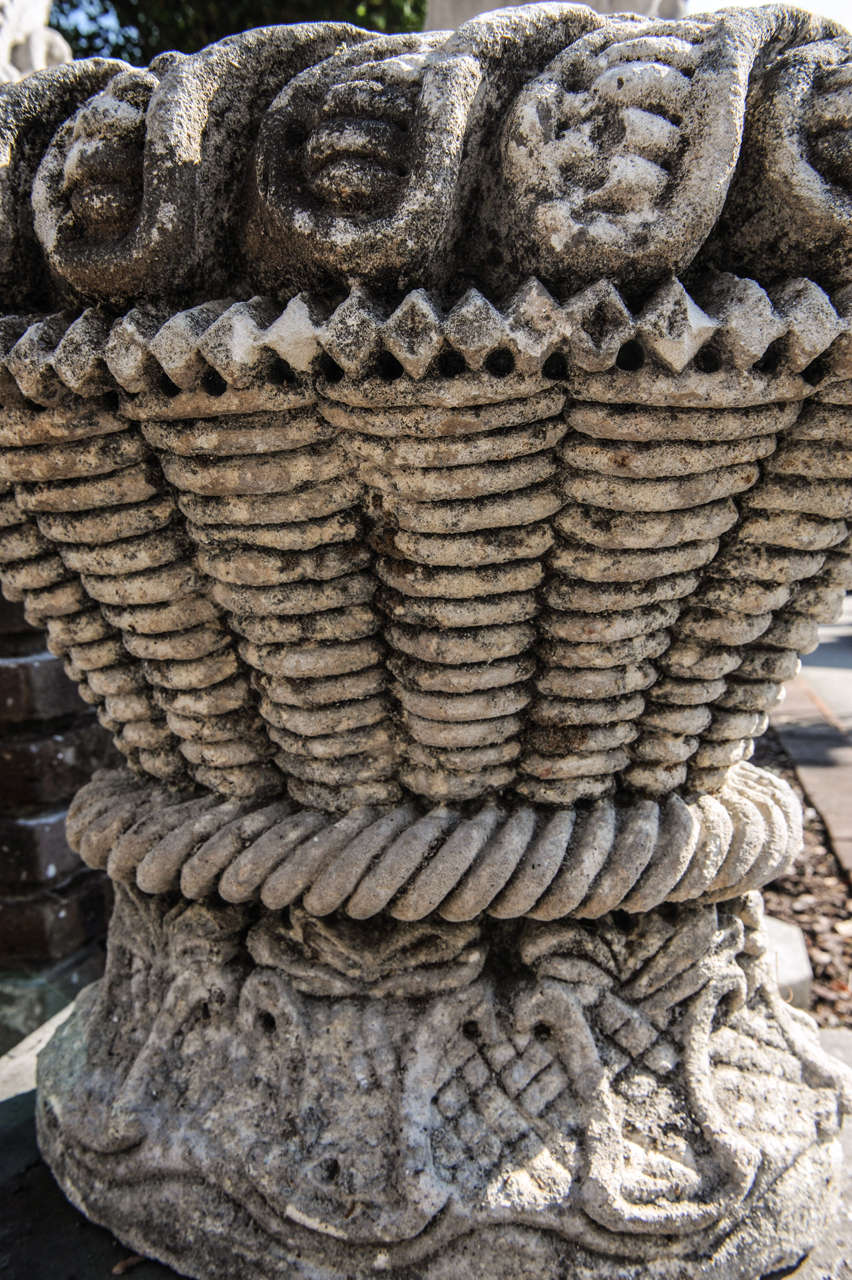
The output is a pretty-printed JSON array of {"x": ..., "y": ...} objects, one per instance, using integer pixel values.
[{"x": 430, "y": 455}]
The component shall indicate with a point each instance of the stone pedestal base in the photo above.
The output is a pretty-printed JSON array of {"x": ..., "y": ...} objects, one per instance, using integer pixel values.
[{"x": 258, "y": 1094}]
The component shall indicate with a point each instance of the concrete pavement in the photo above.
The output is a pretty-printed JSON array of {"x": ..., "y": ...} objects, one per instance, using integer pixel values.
[
  {"x": 828, "y": 671},
  {"x": 814, "y": 723}
]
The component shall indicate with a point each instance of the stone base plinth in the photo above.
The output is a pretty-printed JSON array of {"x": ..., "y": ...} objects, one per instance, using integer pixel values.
[{"x": 259, "y": 1094}]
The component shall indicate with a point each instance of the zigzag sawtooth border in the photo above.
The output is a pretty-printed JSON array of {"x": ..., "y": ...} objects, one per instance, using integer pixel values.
[{"x": 91, "y": 354}]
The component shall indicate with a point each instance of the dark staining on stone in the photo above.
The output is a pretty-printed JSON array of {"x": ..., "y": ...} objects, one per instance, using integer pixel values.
[
  {"x": 709, "y": 359},
  {"x": 631, "y": 356},
  {"x": 816, "y": 371},
  {"x": 388, "y": 367},
  {"x": 500, "y": 363},
  {"x": 280, "y": 373},
  {"x": 771, "y": 360},
  {"x": 555, "y": 366},
  {"x": 451, "y": 364},
  {"x": 329, "y": 368},
  {"x": 213, "y": 383}
]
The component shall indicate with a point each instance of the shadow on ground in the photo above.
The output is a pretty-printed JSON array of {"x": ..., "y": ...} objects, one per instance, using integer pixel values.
[{"x": 41, "y": 1236}]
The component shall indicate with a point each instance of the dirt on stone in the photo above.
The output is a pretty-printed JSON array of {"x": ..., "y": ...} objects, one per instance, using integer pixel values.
[{"x": 817, "y": 896}]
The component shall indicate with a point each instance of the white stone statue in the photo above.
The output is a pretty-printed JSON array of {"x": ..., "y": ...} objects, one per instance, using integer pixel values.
[{"x": 27, "y": 43}]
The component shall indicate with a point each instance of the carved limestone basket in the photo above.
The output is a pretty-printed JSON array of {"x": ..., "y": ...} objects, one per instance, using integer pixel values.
[{"x": 430, "y": 455}]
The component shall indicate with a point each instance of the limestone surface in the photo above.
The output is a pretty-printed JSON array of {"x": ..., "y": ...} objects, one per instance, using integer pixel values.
[
  {"x": 441, "y": 14},
  {"x": 430, "y": 455},
  {"x": 435, "y": 1095}
]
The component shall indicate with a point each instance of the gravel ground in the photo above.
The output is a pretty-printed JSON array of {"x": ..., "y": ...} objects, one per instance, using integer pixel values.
[{"x": 818, "y": 898}]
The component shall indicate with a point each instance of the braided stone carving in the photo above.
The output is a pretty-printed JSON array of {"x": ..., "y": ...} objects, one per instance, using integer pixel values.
[
  {"x": 430, "y": 455},
  {"x": 584, "y": 862}
]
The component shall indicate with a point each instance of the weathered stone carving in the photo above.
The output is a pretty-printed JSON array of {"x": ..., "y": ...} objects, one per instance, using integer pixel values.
[
  {"x": 431, "y": 463},
  {"x": 432, "y": 1095},
  {"x": 443, "y": 14},
  {"x": 135, "y": 197},
  {"x": 510, "y": 861},
  {"x": 51, "y": 912}
]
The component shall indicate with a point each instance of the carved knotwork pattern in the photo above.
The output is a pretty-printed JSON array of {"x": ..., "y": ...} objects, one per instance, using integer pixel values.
[{"x": 614, "y": 1062}]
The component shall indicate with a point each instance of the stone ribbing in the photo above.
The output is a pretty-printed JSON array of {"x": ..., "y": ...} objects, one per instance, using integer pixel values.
[
  {"x": 455, "y": 578},
  {"x": 644, "y": 522},
  {"x": 53, "y": 594},
  {"x": 108, "y": 570},
  {"x": 457, "y": 504},
  {"x": 788, "y": 568},
  {"x": 269, "y": 501}
]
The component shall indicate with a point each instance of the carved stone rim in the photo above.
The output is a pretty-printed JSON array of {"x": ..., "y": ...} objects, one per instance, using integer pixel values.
[{"x": 192, "y": 362}]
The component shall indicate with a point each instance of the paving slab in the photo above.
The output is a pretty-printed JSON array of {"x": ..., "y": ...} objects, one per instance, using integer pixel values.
[
  {"x": 820, "y": 747},
  {"x": 828, "y": 670},
  {"x": 814, "y": 723},
  {"x": 787, "y": 952},
  {"x": 18, "y": 1066}
]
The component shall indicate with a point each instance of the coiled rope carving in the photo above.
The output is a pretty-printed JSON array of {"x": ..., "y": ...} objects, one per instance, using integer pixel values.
[{"x": 508, "y": 862}]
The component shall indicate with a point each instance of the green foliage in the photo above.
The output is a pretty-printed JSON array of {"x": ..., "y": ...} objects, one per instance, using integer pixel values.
[{"x": 137, "y": 30}]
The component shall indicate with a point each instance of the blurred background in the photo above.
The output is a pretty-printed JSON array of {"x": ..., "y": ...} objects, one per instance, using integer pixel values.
[{"x": 137, "y": 30}]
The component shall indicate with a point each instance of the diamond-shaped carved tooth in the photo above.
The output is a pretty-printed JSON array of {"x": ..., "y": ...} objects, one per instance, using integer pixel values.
[
  {"x": 294, "y": 335},
  {"x": 11, "y": 329},
  {"x": 29, "y": 361},
  {"x": 126, "y": 351},
  {"x": 78, "y": 359},
  {"x": 748, "y": 322},
  {"x": 598, "y": 324},
  {"x": 673, "y": 327},
  {"x": 840, "y": 355},
  {"x": 175, "y": 346},
  {"x": 235, "y": 343},
  {"x": 352, "y": 333},
  {"x": 475, "y": 329},
  {"x": 812, "y": 323},
  {"x": 413, "y": 334},
  {"x": 537, "y": 326}
]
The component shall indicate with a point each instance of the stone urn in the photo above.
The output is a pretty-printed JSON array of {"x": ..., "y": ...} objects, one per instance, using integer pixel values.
[{"x": 430, "y": 455}]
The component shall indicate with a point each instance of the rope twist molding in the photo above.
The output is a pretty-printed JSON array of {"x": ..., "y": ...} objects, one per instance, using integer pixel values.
[{"x": 584, "y": 861}]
